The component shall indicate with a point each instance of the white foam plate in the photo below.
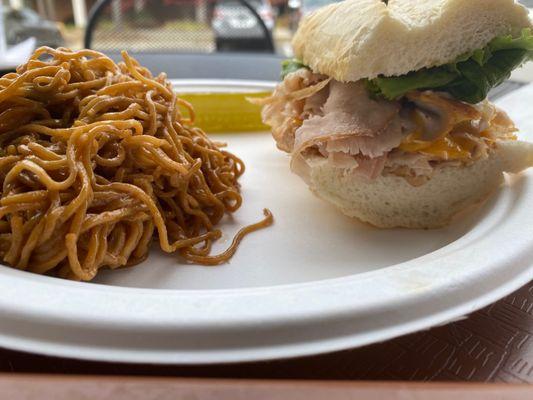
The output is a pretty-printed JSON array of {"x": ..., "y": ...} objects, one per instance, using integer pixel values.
[{"x": 314, "y": 282}]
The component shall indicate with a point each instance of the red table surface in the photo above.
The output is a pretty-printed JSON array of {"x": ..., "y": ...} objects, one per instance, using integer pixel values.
[{"x": 492, "y": 345}]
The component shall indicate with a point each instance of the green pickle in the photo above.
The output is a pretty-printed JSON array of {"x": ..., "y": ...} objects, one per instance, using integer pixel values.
[{"x": 226, "y": 112}]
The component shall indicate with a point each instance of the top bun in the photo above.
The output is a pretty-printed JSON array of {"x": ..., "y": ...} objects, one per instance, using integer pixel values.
[{"x": 357, "y": 39}]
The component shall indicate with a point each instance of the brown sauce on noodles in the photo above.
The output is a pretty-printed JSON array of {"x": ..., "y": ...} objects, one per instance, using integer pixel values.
[{"x": 96, "y": 159}]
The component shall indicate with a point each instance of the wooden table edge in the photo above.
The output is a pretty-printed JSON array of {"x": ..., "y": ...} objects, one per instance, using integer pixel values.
[{"x": 59, "y": 387}]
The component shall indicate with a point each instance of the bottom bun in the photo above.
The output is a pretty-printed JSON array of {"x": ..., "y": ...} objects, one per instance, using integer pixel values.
[{"x": 390, "y": 201}]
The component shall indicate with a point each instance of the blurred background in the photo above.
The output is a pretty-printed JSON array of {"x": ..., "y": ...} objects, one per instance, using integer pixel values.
[
  {"x": 194, "y": 26},
  {"x": 159, "y": 25}
]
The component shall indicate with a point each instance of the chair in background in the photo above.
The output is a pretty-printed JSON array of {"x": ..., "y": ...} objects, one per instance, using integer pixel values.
[{"x": 194, "y": 26}]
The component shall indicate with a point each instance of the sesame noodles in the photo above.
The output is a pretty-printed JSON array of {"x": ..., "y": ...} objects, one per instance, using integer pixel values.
[{"x": 96, "y": 158}]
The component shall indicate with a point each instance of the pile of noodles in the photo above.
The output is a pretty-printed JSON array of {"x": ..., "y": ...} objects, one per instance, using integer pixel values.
[{"x": 96, "y": 159}]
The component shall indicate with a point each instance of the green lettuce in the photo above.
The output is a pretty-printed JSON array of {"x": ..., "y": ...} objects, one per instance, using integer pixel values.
[
  {"x": 469, "y": 78},
  {"x": 291, "y": 65}
]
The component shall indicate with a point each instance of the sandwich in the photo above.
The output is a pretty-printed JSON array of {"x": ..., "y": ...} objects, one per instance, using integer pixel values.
[{"x": 384, "y": 108}]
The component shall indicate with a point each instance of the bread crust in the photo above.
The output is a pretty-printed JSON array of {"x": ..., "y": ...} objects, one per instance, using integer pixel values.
[
  {"x": 390, "y": 201},
  {"x": 357, "y": 39}
]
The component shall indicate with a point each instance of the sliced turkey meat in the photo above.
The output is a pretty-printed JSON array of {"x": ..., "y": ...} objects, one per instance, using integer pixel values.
[
  {"x": 371, "y": 146},
  {"x": 351, "y": 124},
  {"x": 414, "y": 167},
  {"x": 286, "y": 108},
  {"x": 314, "y": 117},
  {"x": 347, "y": 112},
  {"x": 370, "y": 168}
]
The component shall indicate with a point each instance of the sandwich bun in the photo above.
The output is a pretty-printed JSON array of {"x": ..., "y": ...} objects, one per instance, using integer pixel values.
[
  {"x": 389, "y": 201},
  {"x": 357, "y": 39}
]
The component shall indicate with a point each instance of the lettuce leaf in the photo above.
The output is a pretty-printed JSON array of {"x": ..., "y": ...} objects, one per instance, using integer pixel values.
[
  {"x": 469, "y": 78},
  {"x": 291, "y": 65},
  {"x": 397, "y": 86}
]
